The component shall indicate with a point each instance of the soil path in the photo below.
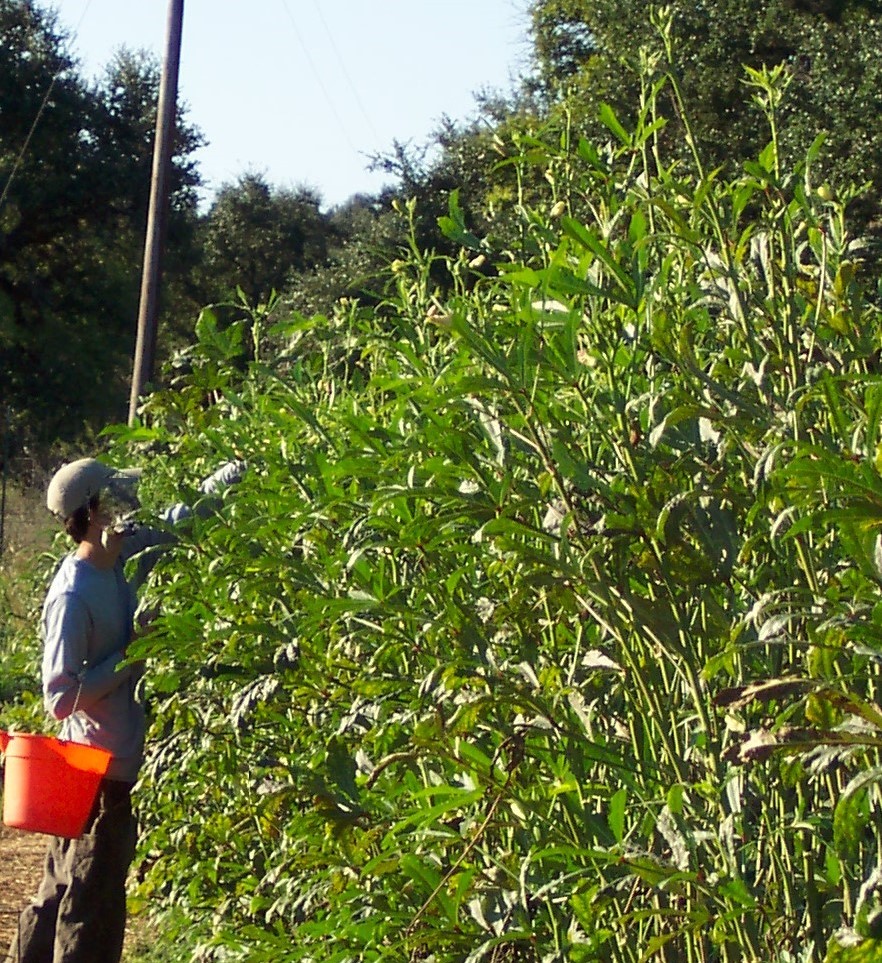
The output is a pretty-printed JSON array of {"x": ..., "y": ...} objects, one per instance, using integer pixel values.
[{"x": 21, "y": 865}]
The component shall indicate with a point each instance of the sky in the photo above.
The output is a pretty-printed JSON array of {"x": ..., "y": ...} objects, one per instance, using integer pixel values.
[{"x": 304, "y": 92}]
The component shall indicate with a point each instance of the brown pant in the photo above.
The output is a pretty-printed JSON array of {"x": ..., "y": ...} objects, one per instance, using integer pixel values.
[{"x": 79, "y": 913}]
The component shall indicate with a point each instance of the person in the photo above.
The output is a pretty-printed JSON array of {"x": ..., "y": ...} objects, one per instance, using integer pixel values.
[{"x": 88, "y": 622}]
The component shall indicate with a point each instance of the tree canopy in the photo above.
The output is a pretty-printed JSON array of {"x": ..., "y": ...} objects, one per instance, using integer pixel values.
[
  {"x": 586, "y": 52},
  {"x": 255, "y": 237},
  {"x": 75, "y": 166}
]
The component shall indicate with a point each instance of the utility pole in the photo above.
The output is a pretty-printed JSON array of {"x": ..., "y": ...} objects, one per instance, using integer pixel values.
[
  {"x": 4, "y": 448},
  {"x": 145, "y": 348}
]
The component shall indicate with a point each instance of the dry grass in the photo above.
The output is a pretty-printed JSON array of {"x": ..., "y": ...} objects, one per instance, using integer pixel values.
[
  {"x": 28, "y": 528},
  {"x": 27, "y": 533}
]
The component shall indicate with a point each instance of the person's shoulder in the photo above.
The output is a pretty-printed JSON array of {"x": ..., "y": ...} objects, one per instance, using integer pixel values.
[
  {"x": 65, "y": 587},
  {"x": 69, "y": 577},
  {"x": 64, "y": 574}
]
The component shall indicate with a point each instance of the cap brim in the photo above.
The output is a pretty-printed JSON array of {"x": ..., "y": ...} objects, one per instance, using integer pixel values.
[
  {"x": 128, "y": 474},
  {"x": 124, "y": 482}
]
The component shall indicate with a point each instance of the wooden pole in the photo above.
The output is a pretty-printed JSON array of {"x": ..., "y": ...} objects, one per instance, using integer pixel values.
[
  {"x": 145, "y": 347},
  {"x": 5, "y": 455}
]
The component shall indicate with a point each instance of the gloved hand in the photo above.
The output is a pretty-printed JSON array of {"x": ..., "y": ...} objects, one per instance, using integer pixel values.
[{"x": 226, "y": 475}]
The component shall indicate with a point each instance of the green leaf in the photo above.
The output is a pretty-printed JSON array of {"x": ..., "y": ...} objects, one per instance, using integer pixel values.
[
  {"x": 656, "y": 943},
  {"x": 428, "y": 880},
  {"x": 862, "y": 781},
  {"x": 454, "y": 226},
  {"x": 873, "y": 407},
  {"x": 675, "y": 798},
  {"x": 588, "y": 152},
  {"x": 737, "y": 892},
  {"x": 637, "y": 228},
  {"x": 850, "y": 818},
  {"x": 814, "y": 151},
  {"x": 563, "y": 280},
  {"x": 768, "y": 156},
  {"x": 166, "y": 681},
  {"x": 608, "y": 119},
  {"x": 682, "y": 413},
  {"x": 588, "y": 239},
  {"x": 572, "y": 469},
  {"x": 341, "y": 768},
  {"x": 616, "y": 818}
]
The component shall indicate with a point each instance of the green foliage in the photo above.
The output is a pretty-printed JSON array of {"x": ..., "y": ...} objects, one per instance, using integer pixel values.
[
  {"x": 255, "y": 238},
  {"x": 75, "y": 165},
  {"x": 544, "y": 623},
  {"x": 586, "y": 52},
  {"x": 23, "y": 581},
  {"x": 364, "y": 236},
  {"x": 867, "y": 951}
]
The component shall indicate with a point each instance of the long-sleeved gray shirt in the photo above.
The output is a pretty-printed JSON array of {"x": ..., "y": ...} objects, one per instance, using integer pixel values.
[
  {"x": 87, "y": 624},
  {"x": 88, "y": 621}
]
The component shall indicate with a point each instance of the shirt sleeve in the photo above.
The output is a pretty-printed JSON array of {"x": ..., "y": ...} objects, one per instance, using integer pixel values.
[
  {"x": 146, "y": 541},
  {"x": 228, "y": 474},
  {"x": 66, "y": 626},
  {"x": 148, "y": 536}
]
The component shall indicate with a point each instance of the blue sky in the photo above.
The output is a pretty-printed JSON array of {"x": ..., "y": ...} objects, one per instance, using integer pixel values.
[{"x": 303, "y": 91}]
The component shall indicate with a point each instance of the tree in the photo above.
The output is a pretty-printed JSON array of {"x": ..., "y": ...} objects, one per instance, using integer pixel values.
[
  {"x": 471, "y": 159},
  {"x": 255, "y": 236},
  {"x": 74, "y": 171},
  {"x": 129, "y": 94},
  {"x": 585, "y": 52},
  {"x": 562, "y": 40},
  {"x": 364, "y": 236}
]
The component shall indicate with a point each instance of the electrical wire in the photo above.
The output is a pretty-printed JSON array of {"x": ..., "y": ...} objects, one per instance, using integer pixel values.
[
  {"x": 340, "y": 61},
  {"x": 345, "y": 71},
  {"x": 27, "y": 141},
  {"x": 317, "y": 75}
]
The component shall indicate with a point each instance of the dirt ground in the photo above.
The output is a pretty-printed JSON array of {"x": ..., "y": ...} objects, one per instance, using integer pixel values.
[{"x": 21, "y": 865}]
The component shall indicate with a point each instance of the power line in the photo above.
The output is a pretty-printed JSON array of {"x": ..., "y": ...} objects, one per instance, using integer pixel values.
[
  {"x": 345, "y": 71},
  {"x": 318, "y": 78},
  {"x": 27, "y": 141}
]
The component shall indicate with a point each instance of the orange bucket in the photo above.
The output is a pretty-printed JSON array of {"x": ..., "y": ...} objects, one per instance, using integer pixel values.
[{"x": 50, "y": 785}]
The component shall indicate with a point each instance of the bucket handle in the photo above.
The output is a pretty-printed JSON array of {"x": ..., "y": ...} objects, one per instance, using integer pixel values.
[
  {"x": 5, "y": 736},
  {"x": 81, "y": 678}
]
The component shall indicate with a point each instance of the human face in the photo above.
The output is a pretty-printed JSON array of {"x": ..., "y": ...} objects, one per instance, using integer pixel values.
[
  {"x": 110, "y": 519},
  {"x": 115, "y": 508},
  {"x": 118, "y": 507}
]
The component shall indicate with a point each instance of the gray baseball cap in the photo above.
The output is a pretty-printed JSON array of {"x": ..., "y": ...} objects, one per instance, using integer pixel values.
[{"x": 75, "y": 483}]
